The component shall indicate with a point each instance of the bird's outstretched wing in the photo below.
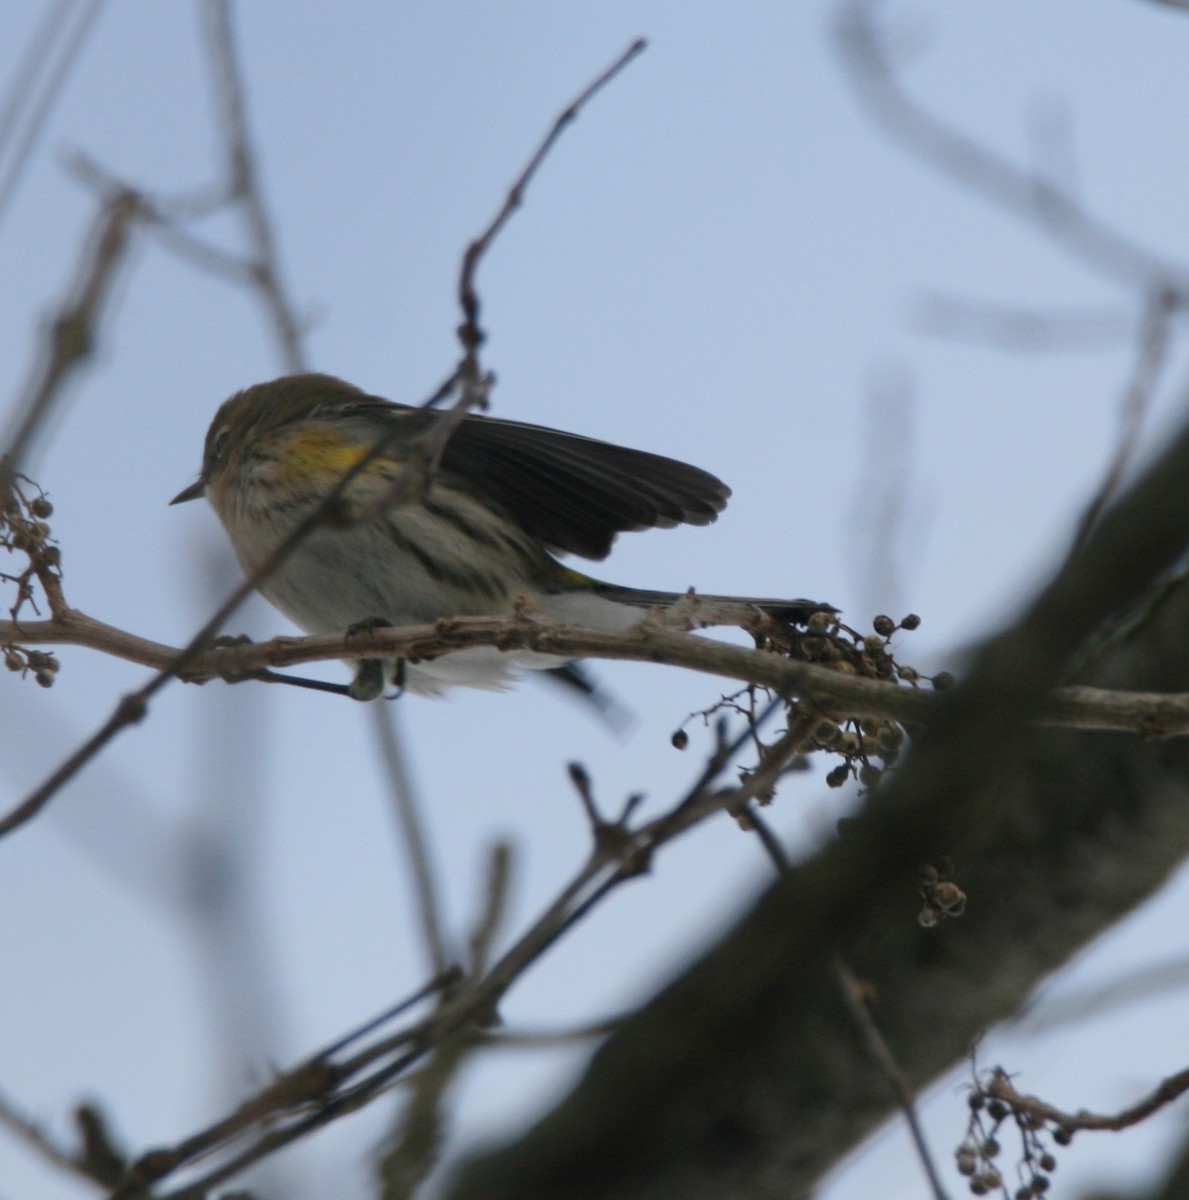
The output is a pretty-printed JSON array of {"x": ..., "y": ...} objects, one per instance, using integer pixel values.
[{"x": 574, "y": 493}]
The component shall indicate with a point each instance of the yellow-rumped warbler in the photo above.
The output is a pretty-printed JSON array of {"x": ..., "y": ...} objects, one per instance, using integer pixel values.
[{"x": 504, "y": 496}]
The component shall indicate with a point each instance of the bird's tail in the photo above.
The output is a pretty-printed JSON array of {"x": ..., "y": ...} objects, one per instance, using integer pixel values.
[{"x": 714, "y": 610}]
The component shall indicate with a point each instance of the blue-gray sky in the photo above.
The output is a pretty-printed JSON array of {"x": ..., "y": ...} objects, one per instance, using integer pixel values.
[{"x": 721, "y": 261}]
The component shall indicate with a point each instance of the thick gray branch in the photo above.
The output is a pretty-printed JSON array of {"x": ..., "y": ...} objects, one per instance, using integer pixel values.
[{"x": 745, "y": 1077}]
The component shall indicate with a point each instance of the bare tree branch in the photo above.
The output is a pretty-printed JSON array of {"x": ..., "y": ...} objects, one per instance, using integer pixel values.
[
  {"x": 867, "y": 58},
  {"x": 33, "y": 1135},
  {"x": 743, "y": 1077},
  {"x": 328, "y": 1086},
  {"x": 412, "y": 836},
  {"x": 1000, "y": 1087},
  {"x": 23, "y": 91},
  {"x": 470, "y": 332},
  {"x": 71, "y": 335},
  {"x": 244, "y": 187},
  {"x": 857, "y": 1005},
  {"x": 1154, "y": 340}
]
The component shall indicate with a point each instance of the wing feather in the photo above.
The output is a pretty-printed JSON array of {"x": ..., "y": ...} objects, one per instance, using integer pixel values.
[{"x": 575, "y": 493}]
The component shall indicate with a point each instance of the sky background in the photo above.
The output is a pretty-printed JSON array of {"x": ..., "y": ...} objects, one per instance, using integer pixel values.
[{"x": 722, "y": 261}]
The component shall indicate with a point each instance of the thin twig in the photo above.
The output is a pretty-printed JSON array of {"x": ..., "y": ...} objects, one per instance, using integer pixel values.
[
  {"x": 870, "y": 69},
  {"x": 493, "y": 911},
  {"x": 164, "y": 217},
  {"x": 852, "y": 997},
  {"x": 548, "y": 1039},
  {"x": 418, "y": 1141},
  {"x": 473, "y": 383},
  {"x": 470, "y": 332},
  {"x": 23, "y": 87},
  {"x": 1135, "y": 985},
  {"x": 32, "y": 1134},
  {"x": 413, "y": 838},
  {"x": 768, "y": 839},
  {"x": 345, "y": 1086},
  {"x": 1169, "y": 1089},
  {"x": 1154, "y": 339},
  {"x": 72, "y": 333},
  {"x": 23, "y": 81},
  {"x": 245, "y": 186},
  {"x": 1017, "y": 328}
]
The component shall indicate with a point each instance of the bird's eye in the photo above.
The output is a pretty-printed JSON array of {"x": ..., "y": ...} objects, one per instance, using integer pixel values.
[{"x": 220, "y": 443}]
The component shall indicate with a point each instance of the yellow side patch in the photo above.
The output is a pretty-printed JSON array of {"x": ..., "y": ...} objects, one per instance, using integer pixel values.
[{"x": 322, "y": 452}]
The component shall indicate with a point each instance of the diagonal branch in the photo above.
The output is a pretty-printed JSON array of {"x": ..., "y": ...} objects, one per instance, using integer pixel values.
[
  {"x": 743, "y": 1077},
  {"x": 868, "y": 60}
]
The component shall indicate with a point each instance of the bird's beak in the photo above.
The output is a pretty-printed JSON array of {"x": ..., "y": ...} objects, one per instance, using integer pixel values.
[{"x": 194, "y": 492}]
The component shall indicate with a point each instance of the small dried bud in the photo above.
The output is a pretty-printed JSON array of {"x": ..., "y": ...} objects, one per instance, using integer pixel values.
[
  {"x": 996, "y": 1110},
  {"x": 948, "y": 896},
  {"x": 990, "y": 1148},
  {"x": 911, "y": 622},
  {"x": 680, "y": 739},
  {"x": 869, "y": 775},
  {"x": 884, "y": 626},
  {"x": 45, "y": 678},
  {"x": 872, "y": 642},
  {"x": 908, "y": 674},
  {"x": 943, "y": 681},
  {"x": 967, "y": 1160},
  {"x": 819, "y": 622},
  {"x": 838, "y": 776},
  {"x": 928, "y": 917},
  {"x": 39, "y": 506},
  {"x": 890, "y": 737},
  {"x": 1048, "y": 1162},
  {"x": 1062, "y": 1135}
]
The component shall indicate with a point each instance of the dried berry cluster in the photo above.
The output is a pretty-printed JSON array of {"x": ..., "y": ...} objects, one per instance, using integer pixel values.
[
  {"x": 867, "y": 747},
  {"x": 981, "y": 1148},
  {"x": 941, "y": 896},
  {"x": 24, "y": 510}
]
